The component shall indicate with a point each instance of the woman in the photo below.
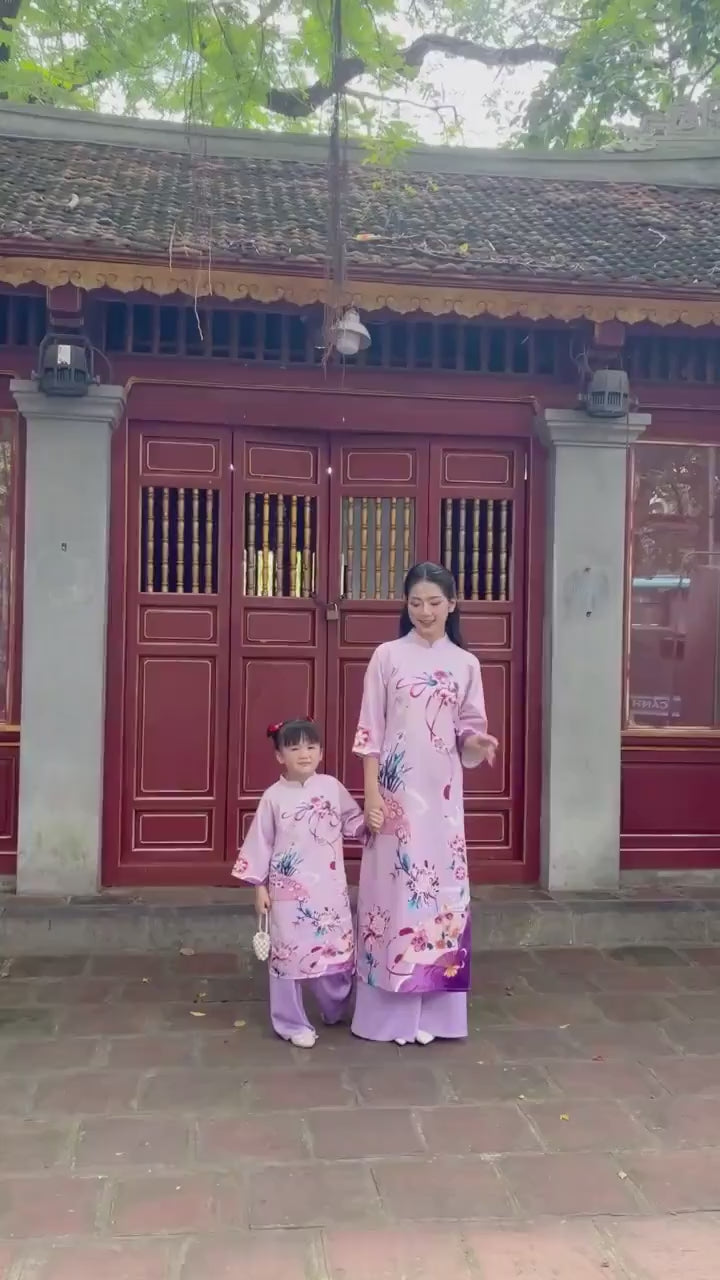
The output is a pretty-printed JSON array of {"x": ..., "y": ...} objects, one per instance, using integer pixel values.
[{"x": 422, "y": 718}]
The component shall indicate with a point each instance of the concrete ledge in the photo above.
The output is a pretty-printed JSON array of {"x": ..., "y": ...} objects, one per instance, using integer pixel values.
[{"x": 224, "y": 920}]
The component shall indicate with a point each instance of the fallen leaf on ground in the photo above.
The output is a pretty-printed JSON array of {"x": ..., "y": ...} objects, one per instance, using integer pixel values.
[
  {"x": 240, "y": 1023},
  {"x": 196, "y": 1013},
  {"x": 563, "y": 1117},
  {"x": 187, "y": 951}
]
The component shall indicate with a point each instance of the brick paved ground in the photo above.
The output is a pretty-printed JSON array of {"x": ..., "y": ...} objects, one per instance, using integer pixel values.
[{"x": 152, "y": 1129}]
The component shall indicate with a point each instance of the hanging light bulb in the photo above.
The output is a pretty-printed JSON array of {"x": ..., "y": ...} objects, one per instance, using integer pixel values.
[{"x": 349, "y": 335}]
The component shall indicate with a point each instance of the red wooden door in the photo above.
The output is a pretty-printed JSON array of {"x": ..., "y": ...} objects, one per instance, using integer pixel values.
[
  {"x": 177, "y": 607},
  {"x": 279, "y": 585},
  {"x": 477, "y": 530},
  {"x": 262, "y": 569}
]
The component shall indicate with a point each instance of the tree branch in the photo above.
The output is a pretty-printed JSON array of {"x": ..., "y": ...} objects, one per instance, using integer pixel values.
[
  {"x": 299, "y": 103},
  {"x": 436, "y": 107}
]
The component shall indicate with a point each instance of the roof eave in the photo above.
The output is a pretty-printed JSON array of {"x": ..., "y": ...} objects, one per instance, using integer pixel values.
[{"x": 372, "y": 289}]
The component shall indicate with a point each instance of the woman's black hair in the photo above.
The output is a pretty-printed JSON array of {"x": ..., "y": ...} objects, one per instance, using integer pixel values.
[
  {"x": 290, "y": 733},
  {"x": 444, "y": 581}
]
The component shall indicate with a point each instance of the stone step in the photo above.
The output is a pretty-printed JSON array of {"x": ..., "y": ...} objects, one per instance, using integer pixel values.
[{"x": 223, "y": 920}]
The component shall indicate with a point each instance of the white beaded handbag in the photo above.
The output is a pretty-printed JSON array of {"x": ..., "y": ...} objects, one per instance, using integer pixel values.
[{"x": 261, "y": 940}]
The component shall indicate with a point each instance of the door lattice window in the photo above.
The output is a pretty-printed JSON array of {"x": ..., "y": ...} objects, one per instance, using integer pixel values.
[
  {"x": 477, "y": 546},
  {"x": 179, "y": 540},
  {"x": 378, "y": 537},
  {"x": 280, "y": 545}
]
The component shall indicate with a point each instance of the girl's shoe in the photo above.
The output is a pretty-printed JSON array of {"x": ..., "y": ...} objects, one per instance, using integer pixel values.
[
  {"x": 304, "y": 1039},
  {"x": 424, "y": 1037},
  {"x": 402, "y": 1043}
]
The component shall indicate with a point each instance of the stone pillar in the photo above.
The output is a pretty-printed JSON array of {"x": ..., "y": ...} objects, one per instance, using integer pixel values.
[
  {"x": 584, "y": 646},
  {"x": 65, "y": 591}
]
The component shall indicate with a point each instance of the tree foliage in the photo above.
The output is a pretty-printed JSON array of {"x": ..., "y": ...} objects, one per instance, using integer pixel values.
[{"x": 268, "y": 63}]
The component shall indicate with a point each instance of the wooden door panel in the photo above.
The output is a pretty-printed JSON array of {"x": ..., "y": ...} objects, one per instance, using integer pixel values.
[
  {"x": 274, "y": 689},
  {"x": 351, "y": 677},
  {"x": 477, "y": 530},
  {"x": 178, "y": 572},
  {"x": 279, "y": 592},
  {"x": 176, "y": 734},
  {"x": 378, "y": 529},
  {"x": 495, "y": 781}
]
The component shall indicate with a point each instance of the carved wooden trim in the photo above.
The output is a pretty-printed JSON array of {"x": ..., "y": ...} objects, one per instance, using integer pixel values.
[{"x": 464, "y": 300}]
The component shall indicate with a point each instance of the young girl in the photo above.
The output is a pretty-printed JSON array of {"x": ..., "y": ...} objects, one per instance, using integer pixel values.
[{"x": 293, "y": 853}]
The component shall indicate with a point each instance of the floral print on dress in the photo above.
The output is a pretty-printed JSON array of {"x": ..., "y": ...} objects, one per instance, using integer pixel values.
[
  {"x": 372, "y": 929},
  {"x": 421, "y": 879},
  {"x": 420, "y": 702},
  {"x": 441, "y": 691},
  {"x": 241, "y": 867},
  {"x": 328, "y": 955},
  {"x": 295, "y": 846},
  {"x": 282, "y": 956},
  {"x": 375, "y": 925},
  {"x": 394, "y": 768},
  {"x": 323, "y": 920},
  {"x": 436, "y": 952},
  {"x": 322, "y": 817},
  {"x": 283, "y": 881},
  {"x": 458, "y": 857}
]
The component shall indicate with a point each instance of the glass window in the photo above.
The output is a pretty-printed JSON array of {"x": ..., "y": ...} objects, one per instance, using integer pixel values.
[
  {"x": 673, "y": 669},
  {"x": 8, "y": 566}
]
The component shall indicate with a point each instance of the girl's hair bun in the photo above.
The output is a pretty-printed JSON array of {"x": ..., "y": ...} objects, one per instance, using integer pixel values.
[{"x": 274, "y": 729}]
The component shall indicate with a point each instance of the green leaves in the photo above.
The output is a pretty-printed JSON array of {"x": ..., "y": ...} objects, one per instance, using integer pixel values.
[{"x": 267, "y": 63}]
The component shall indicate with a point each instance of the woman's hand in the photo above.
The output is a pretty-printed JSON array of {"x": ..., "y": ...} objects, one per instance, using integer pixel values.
[
  {"x": 483, "y": 745},
  {"x": 262, "y": 900},
  {"x": 375, "y": 812}
]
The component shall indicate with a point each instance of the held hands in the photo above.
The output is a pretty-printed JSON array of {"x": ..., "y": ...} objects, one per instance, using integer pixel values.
[
  {"x": 483, "y": 745},
  {"x": 375, "y": 812},
  {"x": 262, "y": 900}
]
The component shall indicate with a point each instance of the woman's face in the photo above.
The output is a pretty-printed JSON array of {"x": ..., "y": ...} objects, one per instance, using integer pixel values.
[{"x": 428, "y": 608}]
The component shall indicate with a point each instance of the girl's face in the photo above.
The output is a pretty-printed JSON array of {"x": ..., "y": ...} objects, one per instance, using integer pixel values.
[
  {"x": 301, "y": 761},
  {"x": 428, "y": 609}
]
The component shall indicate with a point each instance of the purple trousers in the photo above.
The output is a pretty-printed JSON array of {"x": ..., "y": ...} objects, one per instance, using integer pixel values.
[
  {"x": 287, "y": 1008},
  {"x": 391, "y": 1015}
]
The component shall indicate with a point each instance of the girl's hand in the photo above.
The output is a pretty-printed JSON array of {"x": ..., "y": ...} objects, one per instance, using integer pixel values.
[
  {"x": 375, "y": 812},
  {"x": 484, "y": 744},
  {"x": 262, "y": 900}
]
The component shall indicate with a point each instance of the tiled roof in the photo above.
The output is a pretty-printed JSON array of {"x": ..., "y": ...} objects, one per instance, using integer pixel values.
[{"x": 106, "y": 199}]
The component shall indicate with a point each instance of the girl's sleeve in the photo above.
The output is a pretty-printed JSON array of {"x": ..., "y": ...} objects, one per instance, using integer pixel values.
[
  {"x": 371, "y": 724},
  {"x": 472, "y": 717},
  {"x": 353, "y": 819},
  {"x": 253, "y": 861}
]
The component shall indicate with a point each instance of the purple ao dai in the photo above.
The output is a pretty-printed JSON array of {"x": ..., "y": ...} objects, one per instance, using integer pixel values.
[
  {"x": 295, "y": 847},
  {"x": 420, "y": 703}
]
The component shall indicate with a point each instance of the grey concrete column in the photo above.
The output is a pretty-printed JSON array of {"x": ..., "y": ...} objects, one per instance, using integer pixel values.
[
  {"x": 67, "y": 486},
  {"x": 584, "y": 646}
]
